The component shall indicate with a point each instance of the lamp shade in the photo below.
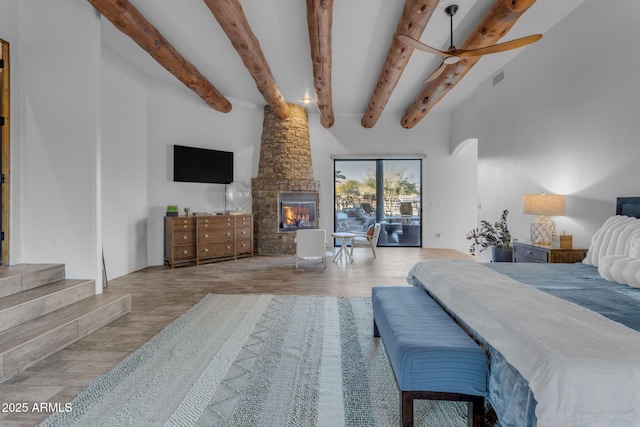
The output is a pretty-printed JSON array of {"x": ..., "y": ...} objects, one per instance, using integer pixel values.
[{"x": 543, "y": 204}]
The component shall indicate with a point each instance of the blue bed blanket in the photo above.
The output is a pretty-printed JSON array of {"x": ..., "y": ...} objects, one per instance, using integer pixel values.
[{"x": 581, "y": 284}]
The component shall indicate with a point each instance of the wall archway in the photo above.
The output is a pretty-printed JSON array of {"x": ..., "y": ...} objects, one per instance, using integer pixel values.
[{"x": 463, "y": 144}]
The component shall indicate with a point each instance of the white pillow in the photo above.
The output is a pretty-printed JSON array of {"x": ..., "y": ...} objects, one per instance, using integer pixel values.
[
  {"x": 613, "y": 238},
  {"x": 610, "y": 267},
  {"x": 634, "y": 245},
  {"x": 631, "y": 272},
  {"x": 621, "y": 269}
]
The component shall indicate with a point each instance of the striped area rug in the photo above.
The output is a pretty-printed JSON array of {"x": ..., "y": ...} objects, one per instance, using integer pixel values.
[{"x": 257, "y": 360}]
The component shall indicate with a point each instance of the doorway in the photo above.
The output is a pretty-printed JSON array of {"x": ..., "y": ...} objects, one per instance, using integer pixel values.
[
  {"x": 4, "y": 152},
  {"x": 385, "y": 191}
]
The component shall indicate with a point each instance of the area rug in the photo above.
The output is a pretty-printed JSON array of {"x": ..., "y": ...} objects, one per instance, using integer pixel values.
[{"x": 257, "y": 360}]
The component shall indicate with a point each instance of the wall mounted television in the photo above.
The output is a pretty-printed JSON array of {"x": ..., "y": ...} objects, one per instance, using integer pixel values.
[{"x": 192, "y": 164}]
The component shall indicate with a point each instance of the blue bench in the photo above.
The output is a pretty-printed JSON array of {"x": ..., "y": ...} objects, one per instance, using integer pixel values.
[{"x": 432, "y": 357}]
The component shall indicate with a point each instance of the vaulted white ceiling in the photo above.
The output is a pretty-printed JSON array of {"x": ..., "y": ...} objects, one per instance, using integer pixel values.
[{"x": 361, "y": 35}]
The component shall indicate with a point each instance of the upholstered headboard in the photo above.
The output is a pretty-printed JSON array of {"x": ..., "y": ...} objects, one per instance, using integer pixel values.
[{"x": 629, "y": 206}]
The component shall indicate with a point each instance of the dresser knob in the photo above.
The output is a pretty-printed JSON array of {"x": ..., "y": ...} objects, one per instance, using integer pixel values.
[
  {"x": 244, "y": 232},
  {"x": 184, "y": 252},
  {"x": 228, "y": 247},
  {"x": 206, "y": 236},
  {"x": 185, "y": 237},
  {"x": 228, "y": 234}
]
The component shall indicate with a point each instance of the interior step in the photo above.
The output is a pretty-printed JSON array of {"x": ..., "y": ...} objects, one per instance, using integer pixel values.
[
  {"x": 33, "y": 303},
  {"x": 30, "y": 342},
  {"x": 21, "y": 277}
]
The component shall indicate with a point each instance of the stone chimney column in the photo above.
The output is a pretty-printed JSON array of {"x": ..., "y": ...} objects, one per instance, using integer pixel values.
[{"x": 285, "y": 166}]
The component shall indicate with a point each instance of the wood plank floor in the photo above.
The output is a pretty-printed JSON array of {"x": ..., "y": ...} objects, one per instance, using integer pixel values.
[{"x": 160, "y": 295}]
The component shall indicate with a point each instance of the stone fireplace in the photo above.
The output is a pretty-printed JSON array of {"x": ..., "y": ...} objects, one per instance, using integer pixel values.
[
  {"x": 297, "y": 211},
  {"x": 285, "y": 193}
]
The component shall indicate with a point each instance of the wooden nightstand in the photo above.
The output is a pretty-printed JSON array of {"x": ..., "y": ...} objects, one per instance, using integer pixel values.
[{"x": 529, "y": 252}]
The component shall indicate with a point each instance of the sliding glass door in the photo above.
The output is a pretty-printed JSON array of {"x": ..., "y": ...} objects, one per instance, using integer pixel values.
[{"x": 384, "y": 191}]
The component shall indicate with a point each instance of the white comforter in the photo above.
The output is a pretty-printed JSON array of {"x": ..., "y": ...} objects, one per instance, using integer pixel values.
[{"x": 583, "y": 369}]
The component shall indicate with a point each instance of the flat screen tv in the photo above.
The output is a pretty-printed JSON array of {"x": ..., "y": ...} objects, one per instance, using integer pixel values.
[{"x": 192, "y": 164}]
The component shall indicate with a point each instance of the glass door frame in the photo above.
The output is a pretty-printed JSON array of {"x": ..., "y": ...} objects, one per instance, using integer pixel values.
[{"x": 398, "y": 224}]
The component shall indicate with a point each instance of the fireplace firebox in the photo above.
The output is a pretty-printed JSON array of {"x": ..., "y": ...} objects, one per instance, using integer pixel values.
[{"x": 297, "y": 211}]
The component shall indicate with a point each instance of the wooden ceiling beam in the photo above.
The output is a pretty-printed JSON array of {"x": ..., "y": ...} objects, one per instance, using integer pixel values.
[
  {"x": 414, "y": 19},
  {"x": 125, "y": 17},
  {"x": 495, "y": 24},
  {"x": 319, "y": 21},
  {"x": 233, "y": 21}
]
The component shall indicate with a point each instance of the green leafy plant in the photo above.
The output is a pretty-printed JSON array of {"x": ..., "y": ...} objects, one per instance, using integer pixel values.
[
  {"x": 488, "y": 235},
  {"x": 172, "y": 208}
]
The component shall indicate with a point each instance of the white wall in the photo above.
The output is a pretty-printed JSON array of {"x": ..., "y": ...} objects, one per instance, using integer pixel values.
[
  {"x": 57, "y": 140},
  {"x": 564, "y": 120},
  {"x": 124, "y": 166},
  {"x": 178, "y": 116}
]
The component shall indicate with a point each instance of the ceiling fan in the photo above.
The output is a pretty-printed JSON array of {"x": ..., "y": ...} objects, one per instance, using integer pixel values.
[{"x": 453, "y": 55}]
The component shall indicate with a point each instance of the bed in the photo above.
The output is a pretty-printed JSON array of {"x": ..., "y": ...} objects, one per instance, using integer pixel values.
[{"x": 563, "y": 339}]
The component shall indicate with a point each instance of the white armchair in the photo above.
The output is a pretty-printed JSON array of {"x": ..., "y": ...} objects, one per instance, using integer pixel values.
[
  {"x": 311, "y": 244},
  {"x": 368, "y": 239}
]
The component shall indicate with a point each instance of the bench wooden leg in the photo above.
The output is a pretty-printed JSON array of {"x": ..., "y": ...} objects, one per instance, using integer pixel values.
[
  {"x": 406, "y": 408},
  {"x": 475, "y": 406},
  {"x": 476, "y": 412}
]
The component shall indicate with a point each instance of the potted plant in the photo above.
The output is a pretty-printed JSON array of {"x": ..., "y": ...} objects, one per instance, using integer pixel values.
[
  {"x": 172, "y": 210},
  {"x": 496, "y": 236}
]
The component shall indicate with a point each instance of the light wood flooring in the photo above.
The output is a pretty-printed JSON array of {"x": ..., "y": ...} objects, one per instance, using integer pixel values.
[{"x": 160, "y": 294}]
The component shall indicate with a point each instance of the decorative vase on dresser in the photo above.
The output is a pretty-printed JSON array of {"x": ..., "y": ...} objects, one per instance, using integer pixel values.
[{"x": 501, "y": 254}]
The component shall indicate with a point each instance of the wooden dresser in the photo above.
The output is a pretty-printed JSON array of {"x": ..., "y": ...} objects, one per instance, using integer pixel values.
[
  {"x": 199, "y": 240},
  {"x": 529, "y": 252}
]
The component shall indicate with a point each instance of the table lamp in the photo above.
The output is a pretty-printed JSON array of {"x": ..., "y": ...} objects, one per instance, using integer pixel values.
[{"x": 542, "y": 228}]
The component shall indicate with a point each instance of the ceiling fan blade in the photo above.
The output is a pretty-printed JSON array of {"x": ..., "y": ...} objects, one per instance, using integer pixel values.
[
  {"x": 500, "y": 47},
  {"x": 420, "y": 46},
  {"x": 436, "y": 73}
]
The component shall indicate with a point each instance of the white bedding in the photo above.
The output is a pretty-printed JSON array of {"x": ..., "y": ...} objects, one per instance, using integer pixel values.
[
  {"x": 615, "y": 250},
  {"x": 583, "y": 369}
]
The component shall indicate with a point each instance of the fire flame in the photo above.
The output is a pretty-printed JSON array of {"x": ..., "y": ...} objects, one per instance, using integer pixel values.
[
  {"x": 296, "y": 215},
  {"x": 289, "y": 217}
]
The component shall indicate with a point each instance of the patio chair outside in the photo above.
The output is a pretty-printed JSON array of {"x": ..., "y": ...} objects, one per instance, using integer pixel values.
[
  {"x": 368, "y": 239},
  {"x": 406, "y": 209}
]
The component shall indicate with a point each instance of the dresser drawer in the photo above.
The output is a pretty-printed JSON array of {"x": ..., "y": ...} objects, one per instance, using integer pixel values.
[
  {"x": 530, "y": 254},
  {"x": 213, "y": 250},
  {"x": 184, "y": 252},
  {"x": 213, "y": 235},
  {"x": 180, "y": 223},
  {"x": 213, "y": 222},
  {"x": 243, "y": 221},
  {"x": 243, "y": 233},
  {"x": 183, "y": 237},
  {"x": 244, "y": 247}
]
